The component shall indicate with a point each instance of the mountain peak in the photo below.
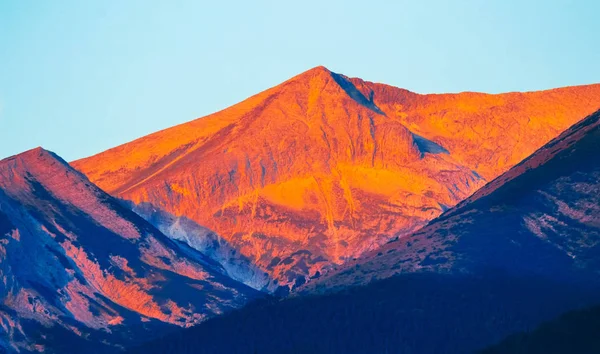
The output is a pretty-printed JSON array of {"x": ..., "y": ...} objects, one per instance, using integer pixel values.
[
  {"x": 36, "y": 159},
  {"x": 320, "y": 81},
  {"x": 77, "y": 261},
  {"x": 332, "y": 165},
  {"x": 31, "y": 152},
  {"x": 36, "y": 152},
  {"x": 317, "y": 70}
]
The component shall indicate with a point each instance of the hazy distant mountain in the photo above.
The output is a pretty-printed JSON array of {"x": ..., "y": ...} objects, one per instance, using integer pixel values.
[
  {"x": 81, "y": 272},
  {"x": 322, "y": 168}
]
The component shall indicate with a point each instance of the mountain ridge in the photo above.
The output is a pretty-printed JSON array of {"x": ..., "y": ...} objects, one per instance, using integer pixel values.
[
  {"x": 523, "y": 251},
  {"x": 78, "y": 266},
  {"x": 332, "y": 166},
  {"x": 546, "y": 202}
]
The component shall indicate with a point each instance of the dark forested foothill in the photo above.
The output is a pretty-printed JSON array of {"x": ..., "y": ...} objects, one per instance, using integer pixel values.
[{"x": 417, "y": 313}]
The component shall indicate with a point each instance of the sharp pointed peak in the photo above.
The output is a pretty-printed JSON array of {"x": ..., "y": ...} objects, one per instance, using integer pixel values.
[
  {"x": 37, "y": 154},
  {"x": 317, "y": 71},
  {"x": 37, "y": 151}
]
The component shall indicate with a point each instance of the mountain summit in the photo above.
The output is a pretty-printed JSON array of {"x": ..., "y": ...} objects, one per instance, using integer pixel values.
[
  {"x": 79, "y": 270},
  {"x": 323, "y": 167}
]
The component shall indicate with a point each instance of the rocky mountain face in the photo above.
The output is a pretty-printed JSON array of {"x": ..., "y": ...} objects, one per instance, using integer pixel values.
[
  {"x": 207, "y": 242},
  {"x": 522, "y": 250},
  {"x": 322, "y": 168},
  {"x": 541, "y": 218},
  {"x": 82, "y": 272}
]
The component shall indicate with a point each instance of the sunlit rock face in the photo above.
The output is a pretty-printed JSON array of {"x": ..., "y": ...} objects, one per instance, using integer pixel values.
[
  {"x": 323, "y": 168},
  {"x": 541, "y": 218},
  {"x": 77, "y": 268}
]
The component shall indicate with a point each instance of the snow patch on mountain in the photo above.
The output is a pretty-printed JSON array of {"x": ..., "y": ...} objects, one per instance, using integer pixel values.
[{"x": 204, "y": 240}]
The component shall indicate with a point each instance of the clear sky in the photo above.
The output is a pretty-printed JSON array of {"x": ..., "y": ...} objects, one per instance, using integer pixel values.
[{"x": 78, "y": 77}]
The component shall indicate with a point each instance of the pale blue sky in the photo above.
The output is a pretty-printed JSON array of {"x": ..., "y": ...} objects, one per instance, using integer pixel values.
[{"x": 78, "y": 77}]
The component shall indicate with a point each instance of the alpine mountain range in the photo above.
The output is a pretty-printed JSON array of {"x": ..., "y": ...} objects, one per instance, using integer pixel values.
[{"x": 327, "y": 214}]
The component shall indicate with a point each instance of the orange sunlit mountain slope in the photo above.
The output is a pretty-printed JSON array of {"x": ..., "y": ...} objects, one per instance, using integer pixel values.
[
  {"x": 542, "y": 217},
  {"x": 322, "y": 168}
]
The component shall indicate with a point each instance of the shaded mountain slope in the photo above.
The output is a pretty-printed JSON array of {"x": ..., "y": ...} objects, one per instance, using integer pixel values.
[
  {"x": 81, "y": 272},
  {"x": 575, "y": 332},
  {"x": 408, "y": 314},
  {"x": 323, "y": 168},
  {"x": 541, "y": 218}
]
